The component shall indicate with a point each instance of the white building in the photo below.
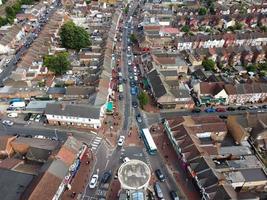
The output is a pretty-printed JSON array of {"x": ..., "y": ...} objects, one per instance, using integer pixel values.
[{"x": 71, "y": 114}]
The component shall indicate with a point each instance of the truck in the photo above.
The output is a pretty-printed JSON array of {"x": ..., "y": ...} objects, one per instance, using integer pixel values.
[{"x": 19, "y": 104}]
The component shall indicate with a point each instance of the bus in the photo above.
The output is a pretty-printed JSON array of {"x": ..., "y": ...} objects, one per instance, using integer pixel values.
[
  {"x": 148, "y": 141},
  {"x": 120, "y": 88}
]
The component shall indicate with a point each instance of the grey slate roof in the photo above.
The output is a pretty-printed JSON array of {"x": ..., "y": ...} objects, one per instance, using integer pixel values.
[
  {"x": 72, "y": 110},
  {"x": 13, "y": 184},
  {"x": 56, "y": 90},
  {"x": 39, "y": 155},
  {"x": 156, "y": 84}
]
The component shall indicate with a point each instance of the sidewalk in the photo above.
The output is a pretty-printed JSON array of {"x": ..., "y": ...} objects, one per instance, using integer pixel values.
[
  {"x": 81, "y": 179},
  {"x": 114, "y": 189},
  {"x": 171, "y": 159},
  {"x": 133, "y": 138}
]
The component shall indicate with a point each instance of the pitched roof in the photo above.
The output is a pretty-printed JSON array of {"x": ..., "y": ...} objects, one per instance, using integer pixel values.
[
  {"x": 211, "y": 88},
  {"x": 13, "y": 184},
  {"x": 83, "y": 111},
  {"x": 156, "y": 83}
]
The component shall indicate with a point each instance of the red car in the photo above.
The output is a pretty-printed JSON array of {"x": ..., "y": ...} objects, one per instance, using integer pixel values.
[{"x": 220, "y": 110}]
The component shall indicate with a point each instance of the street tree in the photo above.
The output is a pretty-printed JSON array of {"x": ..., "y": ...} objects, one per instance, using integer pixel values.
[
  {"x": 143, "y": 99},
  {"x": 58, "y": 63},
  {"x": 208, "y": 64},
  {"x": 74, "y": 37},
  {"x": 252, "y": 68},
  {"x": 133, "y": 38},
  {"x": 185, "y": 28},
  {"x": 202, "y": 11}
]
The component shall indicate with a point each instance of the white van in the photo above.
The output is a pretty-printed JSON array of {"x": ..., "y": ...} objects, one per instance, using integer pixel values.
[{"x": 12, "y": 115}]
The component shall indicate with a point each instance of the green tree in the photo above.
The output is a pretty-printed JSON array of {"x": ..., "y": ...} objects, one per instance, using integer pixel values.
[
  {"x": 185, "y": 28},
  {"x": 126, "y": 10},
  {"x": 252, "y": 68},
  {"x": 74, "y": 37},
  {"x": 133, "y": 38},
  {"x": 202, "y": 11},
  {"x": 263, "y": 28},
  {"x": 208, "y": 64},
  {"x": 238, "y": 26},
  {"x": 143, "y": 98},
  {"x": 10, "y": 12},
  {"x": 3, "y": 21},
  {"x": 58, "y": 63},
  {"x": 263, "y": 66}
]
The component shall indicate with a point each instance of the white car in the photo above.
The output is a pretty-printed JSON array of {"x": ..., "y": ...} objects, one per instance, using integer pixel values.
[
  {"x": 37, "y": 118},
  {"x": 93, "y": 181},
  {"x": 7, "y": 122},
  {"x": 12, "y": 115},
  {"x": 135, "y": 78},
  {"x": 126, "y": 159},
  {"x": 121, "y": 140},
  {"x": 129, "y": 63}
]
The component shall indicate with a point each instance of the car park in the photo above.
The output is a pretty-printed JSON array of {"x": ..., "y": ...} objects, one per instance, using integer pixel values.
[
  {"x": 121, "y": 140},
  {"x": 7, "y": 122},
  {"x": 174, "y": 195},
  {"x": 158, "y": 190},
  {"x": 138, "y": 118},
  {"x": 106, "y": 177},
  {"x": 160, "y": 175},
  {"x": 93, "y": 181}
]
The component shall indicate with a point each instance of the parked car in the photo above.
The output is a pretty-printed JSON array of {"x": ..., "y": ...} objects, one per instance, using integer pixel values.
[
  {"x": 231, "y": 109},
  {"x": 138, "y": 118},
  {"x": 174, "y": 195},
  {"x": 133, "y": 90},
  {"x": 120, "y": 97},
  {"x": 106, "y": 176},
  {"x": 7, "y": 122},
  {"x": 37, "y": 118},
  {"x": 27, "y": 117},
  {"x": 253, "y": 107},
  {"x": 158, "y": 190},
  {"x": 160, "y": 175},
  {"x": 12, "y": 115},
  {"x": 264, "y": 106},
  {"x": 134, "y": 104},
  {"x": 32, "y": 117},
  {"x": 93, "y": 181},
  {"x": 210, "y": 110},
  {"x": 121, "y": 140},
  {"x": 241, "y": 108},
  {"x": 220, "y": 110},
  {"x": 196, "y": 110}
]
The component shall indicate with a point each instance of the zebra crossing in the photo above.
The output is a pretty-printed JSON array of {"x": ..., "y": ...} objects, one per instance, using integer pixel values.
[{"x": 95, "y": 143}]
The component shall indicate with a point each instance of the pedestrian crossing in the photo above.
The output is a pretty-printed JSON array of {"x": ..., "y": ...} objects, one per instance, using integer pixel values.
[{"x": 95, "y": 143}]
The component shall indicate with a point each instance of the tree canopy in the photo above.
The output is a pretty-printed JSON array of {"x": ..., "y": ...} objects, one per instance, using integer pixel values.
[
  {"x": 208, "y": 64},
  {"x": 74, "y": 37},
  {"x": 58, "y": 63},
  {"x": 202, "y": 11},
  {"x": 133, "y": 38},
  {"x": 143, "y": 99},
  {"x": 185, "y": 28}
]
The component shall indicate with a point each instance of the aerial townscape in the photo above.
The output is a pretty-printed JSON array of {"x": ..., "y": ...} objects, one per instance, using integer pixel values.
[{"x": 133, "y": 99}]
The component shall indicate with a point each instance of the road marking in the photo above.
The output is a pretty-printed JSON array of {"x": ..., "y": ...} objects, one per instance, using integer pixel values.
[
  {"x": 94, "y": 145},
  {"x": 94, "y": 148},
  {"x": 96, "y": 142},
  {"x": 98, "y": 138},
  {"x": 106, "y": 164}
]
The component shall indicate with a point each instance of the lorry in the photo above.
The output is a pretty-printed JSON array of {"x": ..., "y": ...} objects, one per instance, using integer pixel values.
[{"x": 19, "y": 104}]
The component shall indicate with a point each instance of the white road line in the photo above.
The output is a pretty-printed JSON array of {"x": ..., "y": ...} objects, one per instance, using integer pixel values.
[
  {"x": 96, "y": 142},
  {"x": 106, "y": 164},
  {"x": 98, "y": 138},
  {"x": 94, "y": 145},
  {"x": 94, "y": 148}
]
